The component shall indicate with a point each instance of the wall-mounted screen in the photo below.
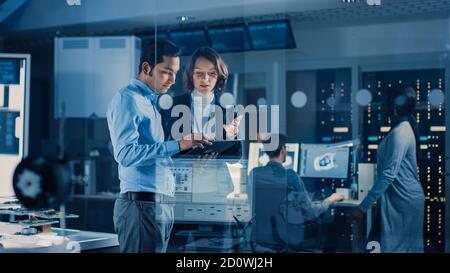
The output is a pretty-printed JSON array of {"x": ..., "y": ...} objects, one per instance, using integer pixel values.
[{"x": 271, "y": 35}]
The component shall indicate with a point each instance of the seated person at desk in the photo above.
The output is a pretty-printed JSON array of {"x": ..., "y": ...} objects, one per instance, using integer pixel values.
[{"x": 281, "y": 203}]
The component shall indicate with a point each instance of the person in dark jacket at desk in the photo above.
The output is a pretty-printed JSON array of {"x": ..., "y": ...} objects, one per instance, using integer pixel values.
[{"x": 279, "y": 193}]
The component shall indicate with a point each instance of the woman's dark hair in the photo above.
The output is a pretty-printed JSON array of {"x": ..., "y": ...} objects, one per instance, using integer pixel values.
[
  {"x": 401, "y": 103},
  {"x": 212, "y": 56}
]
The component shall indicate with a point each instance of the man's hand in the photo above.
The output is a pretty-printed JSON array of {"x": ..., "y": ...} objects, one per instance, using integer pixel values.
[
  {"x": 336, "y": 197},
  {"x": 212, "y": 155},
  {"x": 194, "y": 140},
  {"x": 232, "y": 129}
]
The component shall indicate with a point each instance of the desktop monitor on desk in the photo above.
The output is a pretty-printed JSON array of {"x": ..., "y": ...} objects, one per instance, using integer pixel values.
[
  {"x": 323, "y": 161},
  {"x": 213, "y": 191},
  {"x": 257, "y": 157},
  {"x": 333, "y": 161}
]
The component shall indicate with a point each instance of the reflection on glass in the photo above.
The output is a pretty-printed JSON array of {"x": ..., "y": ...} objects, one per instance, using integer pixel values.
[
  {"x": 207, "y": 190},
  {"x": 363, "y": 97},
  {"x": 299, "y": 99},
  {"x": 436, "y": 97}
]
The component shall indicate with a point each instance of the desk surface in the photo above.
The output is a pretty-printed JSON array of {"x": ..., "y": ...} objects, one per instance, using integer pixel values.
[
  {"x": 88, "y": 240},
  {"x": 348, "y": 203}
]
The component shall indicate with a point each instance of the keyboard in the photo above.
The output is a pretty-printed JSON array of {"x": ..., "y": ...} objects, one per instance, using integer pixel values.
[
  {"x": 214, "y": 244},
  {"x": 202, "y": 233}
]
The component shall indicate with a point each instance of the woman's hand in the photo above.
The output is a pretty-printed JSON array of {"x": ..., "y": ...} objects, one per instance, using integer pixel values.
[{"x": 232, "y": 129}]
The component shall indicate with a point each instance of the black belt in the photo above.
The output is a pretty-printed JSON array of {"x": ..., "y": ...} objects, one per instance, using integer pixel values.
[{"x": 138, "y": 196}]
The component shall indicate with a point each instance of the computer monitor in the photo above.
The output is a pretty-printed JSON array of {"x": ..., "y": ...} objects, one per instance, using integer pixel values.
[
  {"x": 14, "y": 105},
  {"x": 189, "y": 40},
  {"x": 229, "y": 38},
  {"x": 271, "y": 35},
  {"x": 151, "y": 37},
  {"x": 9, "y": 71},
  {"x": 207, "y": 191},
  {"x": 324, "y": 161},
  {"x": 257, "y": 157}
]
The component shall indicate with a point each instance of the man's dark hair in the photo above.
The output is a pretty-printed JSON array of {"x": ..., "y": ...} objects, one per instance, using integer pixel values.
[
  {"x": 282, "y": 139},
  {"x": 212, "y": 56},
  {"x": 153, "y": 52}
]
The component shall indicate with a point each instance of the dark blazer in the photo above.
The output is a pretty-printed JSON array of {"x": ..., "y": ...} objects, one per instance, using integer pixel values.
[{"x": 186, "y": 99}]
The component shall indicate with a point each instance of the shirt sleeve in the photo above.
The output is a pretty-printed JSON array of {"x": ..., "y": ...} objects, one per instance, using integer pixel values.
[
  {"x": 388, "y": 167},
  {"x": 167, "y": 122},
  {"x": 309, "y": 209},
  {"x": 123, "y": 123}
]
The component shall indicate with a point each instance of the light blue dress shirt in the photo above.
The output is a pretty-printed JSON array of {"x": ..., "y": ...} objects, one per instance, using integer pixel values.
[
  {"x": 202, "y": 113},
  {"x": 137, "y": 138}
]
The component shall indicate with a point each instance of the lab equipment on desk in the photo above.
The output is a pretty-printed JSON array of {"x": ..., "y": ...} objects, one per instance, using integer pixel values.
[
  {"x": 212, "y": 191},
  {"x": 366, "y": 178},
  {"x": 17, "y": 238},
  {"x": 346, "y": 192},
  {"x": 40, "y": 182}
]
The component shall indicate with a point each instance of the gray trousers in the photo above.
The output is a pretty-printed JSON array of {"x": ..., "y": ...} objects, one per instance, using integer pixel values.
[{"x": 142, "y": 226}]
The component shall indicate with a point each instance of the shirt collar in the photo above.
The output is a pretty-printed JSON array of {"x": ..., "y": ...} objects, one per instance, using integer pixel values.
[
  {"x": 274, "y": 164},
  {"x": 145, "y": 90}
]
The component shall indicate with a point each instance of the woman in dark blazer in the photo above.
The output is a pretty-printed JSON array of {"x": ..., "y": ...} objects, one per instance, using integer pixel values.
[{"x": 204, "y": 79}]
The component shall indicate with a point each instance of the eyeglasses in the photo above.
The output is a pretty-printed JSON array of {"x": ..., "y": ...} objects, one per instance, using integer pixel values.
[{"x": 201, "y": 74}]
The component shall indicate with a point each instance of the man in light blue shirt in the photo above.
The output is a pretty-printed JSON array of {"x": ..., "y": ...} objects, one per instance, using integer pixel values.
[{"x": 142, "y": 221}]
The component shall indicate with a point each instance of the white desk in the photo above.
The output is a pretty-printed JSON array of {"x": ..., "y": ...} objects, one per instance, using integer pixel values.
[
  {"x": 348, "y": 203},
  {"x": 87, "y": 240}
]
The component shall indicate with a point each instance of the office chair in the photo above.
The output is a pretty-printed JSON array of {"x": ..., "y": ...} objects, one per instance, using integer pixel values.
[{"x": 271, "y": 230}]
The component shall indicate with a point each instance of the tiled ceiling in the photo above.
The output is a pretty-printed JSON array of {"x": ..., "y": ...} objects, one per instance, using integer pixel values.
[
  {"x": 347, "y": 12},
  {"x": 361, "y": 10}
]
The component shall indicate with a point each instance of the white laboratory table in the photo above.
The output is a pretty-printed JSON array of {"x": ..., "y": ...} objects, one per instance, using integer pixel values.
[{"x": 86, "y": 241}]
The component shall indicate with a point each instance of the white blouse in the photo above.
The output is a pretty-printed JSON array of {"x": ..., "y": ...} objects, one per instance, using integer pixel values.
[{"x": 202, "y": 112}]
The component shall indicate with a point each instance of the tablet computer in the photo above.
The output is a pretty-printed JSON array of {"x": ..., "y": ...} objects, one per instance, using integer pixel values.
[{"x": 222, "y": 147}]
